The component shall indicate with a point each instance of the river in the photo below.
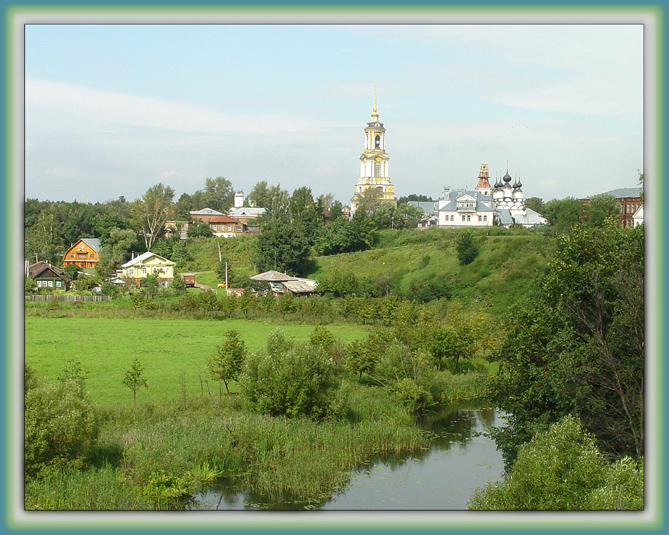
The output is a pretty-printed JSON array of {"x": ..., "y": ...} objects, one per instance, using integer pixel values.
[{"x": 440, "y": 478}]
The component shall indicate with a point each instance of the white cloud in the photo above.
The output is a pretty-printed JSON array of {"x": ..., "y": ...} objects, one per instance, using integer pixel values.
[{"x": 77, "y": 108}]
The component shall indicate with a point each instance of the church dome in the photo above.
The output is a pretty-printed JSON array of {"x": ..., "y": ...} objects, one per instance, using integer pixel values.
[{"x": 507, "y": 177}]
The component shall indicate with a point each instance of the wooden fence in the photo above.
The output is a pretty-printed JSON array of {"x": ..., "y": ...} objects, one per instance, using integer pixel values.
[{"x": 68, "y": 298}]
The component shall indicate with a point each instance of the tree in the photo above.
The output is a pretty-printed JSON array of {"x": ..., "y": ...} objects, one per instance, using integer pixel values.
[
  {"x": 561, "y": 469},
  {"x": 466, "y": 247},
  {"x": 133, "y": 379},
  {"x": 199, "y": 228},
  {"x": 61, "y": 424},
  {"x": 563, "y": 213},
  {"x": 576, "y": 346},
  {"x": 118, "y": 245},
  {"x": 218, "y": 194},
  {"x": 260, "y": 195},
  {"x": 282, "y": 246},
  {"x": 226, "y": 363},
  {"x": 536, "y": 204},
  {"x": 289, "y": 379},
  {"x": 601, "y": 208},
  {"x": 152, "y": 210},
  {"x": 43, "y": 239}
]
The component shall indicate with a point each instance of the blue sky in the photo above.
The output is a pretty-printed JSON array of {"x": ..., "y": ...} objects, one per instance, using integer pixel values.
[{"x": 112, "y": 109}]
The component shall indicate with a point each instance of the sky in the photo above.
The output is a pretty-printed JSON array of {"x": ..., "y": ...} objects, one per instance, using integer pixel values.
[{"x": 112, "y": 109}]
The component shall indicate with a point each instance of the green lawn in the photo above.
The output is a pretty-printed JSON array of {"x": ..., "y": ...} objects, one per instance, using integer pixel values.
[{"x": 171, "y": 351}]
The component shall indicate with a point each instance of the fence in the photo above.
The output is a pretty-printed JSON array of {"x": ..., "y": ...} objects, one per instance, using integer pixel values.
[{"x": 68, "y": 298}]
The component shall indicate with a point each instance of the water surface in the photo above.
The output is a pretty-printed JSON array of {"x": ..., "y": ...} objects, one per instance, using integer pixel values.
[{"x": 441, "y": 477}]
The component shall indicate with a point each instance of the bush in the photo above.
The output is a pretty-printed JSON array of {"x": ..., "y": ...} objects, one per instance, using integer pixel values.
[
  {"x": 466, "y": 247},
  {"x": 562, "y": 469},
  {"x": 61, "y": 425},
  {"x": 289, "y": 379}
]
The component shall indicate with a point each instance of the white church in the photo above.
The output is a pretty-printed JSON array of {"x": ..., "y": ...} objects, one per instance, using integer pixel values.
[{"x": 502, "y": 204}]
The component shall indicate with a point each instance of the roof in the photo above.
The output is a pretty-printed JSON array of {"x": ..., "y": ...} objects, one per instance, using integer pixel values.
[
  {"x": 299, "y": 287},
  {"x": 427, "y": 207},
  {"x": 622, "y": 193},
  {"x": 223, "y": 219},
  {"x": 36, "y": 269},
  {"x": 205, "y": 211},
  {"x": 246, "y": 211},
  {"x": 93, "y": 243},
  {"x": 530, "y": 218},
  {"x": 144, "y": 256},
  {"x": 273, "y": 276},
  {"x": 505, "y": 217}
]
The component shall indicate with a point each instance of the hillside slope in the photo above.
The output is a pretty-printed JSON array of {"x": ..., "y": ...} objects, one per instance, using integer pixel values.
[{"x": 507, "y": 264}]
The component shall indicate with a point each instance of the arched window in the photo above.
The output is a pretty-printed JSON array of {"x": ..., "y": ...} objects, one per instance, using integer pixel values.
[
  {"x": 377, "y": 169},
  {"x": 377, "y": 142}
]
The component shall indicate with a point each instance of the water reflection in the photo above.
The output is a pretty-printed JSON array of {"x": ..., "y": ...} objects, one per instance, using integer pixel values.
[{"x": 442, "y": 477}]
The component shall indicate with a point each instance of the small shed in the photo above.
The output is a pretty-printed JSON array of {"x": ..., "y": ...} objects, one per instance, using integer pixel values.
[{"x": 281, "y": 283}]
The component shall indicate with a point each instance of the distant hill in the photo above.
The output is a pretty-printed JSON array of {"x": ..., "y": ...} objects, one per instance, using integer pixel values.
[{"x": 507, "y": 263}]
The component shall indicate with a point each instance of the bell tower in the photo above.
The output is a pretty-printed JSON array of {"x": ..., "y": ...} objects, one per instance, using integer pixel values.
[{"x": 374, "y": 164}]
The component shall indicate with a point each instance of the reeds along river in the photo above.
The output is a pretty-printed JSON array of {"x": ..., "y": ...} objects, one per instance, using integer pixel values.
[{"x": 442, "y": 477}]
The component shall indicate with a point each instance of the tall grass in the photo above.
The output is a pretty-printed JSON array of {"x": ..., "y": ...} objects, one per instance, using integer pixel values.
[{"x": 300, "y": 459}]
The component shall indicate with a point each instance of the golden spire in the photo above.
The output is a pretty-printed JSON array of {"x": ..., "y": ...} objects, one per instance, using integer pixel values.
[{"x": 374, "y": 112}]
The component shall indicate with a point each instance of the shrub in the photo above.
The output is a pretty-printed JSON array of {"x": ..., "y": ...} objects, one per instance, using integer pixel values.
[
  {"x": 61, "y": 426},
  {"x": 289, "y": 379},
  {"x": 562, "y": 469}
]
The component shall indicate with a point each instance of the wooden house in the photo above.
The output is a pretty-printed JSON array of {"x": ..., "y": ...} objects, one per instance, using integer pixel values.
[
  {"x": 226, "y": 227},
  {"x": 48, "y": 276},
  {"x": 147, "y": 264},
  {"x": 85, "y": 253}
]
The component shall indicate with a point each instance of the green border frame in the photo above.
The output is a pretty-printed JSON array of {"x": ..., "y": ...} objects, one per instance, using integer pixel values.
[{"x": 17, "y": 13}]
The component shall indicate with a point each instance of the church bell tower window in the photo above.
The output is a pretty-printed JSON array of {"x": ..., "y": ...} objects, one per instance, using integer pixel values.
[
  {"x": 377, "y": 169},
  {"x": 377, "y": 142}
]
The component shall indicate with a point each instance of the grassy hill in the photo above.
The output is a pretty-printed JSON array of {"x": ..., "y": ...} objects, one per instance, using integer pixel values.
[
  {"x": 501, "y": 273},
  {"x": 507, "y": 262}
]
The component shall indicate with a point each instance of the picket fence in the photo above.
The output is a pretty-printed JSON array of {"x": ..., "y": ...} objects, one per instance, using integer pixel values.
[{"x": 68, "y": 298}]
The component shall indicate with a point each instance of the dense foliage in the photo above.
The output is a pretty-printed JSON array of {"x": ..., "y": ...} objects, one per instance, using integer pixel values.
[
  {"x": 562, "y": 470},
  {"x": 577, "y": 345}
]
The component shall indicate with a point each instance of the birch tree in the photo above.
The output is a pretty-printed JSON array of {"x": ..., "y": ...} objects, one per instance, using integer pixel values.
[{"x": 152, "y": 211}]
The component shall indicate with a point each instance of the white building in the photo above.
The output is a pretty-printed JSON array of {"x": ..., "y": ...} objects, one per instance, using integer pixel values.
[{"x": 502, "y": 203}]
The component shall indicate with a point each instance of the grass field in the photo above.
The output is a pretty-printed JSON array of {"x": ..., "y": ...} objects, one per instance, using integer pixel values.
[{"x": 173, "y": 352}]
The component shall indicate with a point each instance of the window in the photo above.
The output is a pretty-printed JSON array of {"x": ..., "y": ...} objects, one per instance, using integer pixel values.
[
  {"x": 154, "y": 270},
  {"x": 214, "y": 227},
  {"x": 50, "y": 284},
  {"x": 452, "y": 217},
  {"x": 58, "y": 284},
  {"x": 229, "y": 228},
  {"x": 377, "y": 169},
  {"x": 485, "y": 218},
  {"x": 167, "y": 269},
  {"x": 131, "y": 271},
  {"x": 239, "y": 229},
  {"x": 72, "y": 255},
  {"x": 463, "y": 218},
  {"x": 469, "y": 218},
  {"x": 480, "y": 219},
  {"x": 143, "y": 271}
]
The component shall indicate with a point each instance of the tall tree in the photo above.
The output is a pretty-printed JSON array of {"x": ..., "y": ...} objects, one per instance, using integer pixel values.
[
  {"x": 219, "y": 194},
  {"x": 152, "y": 210},
  {"x": 260, "y": 195},
  {"x": 600, "y": 208},
  {"x": 577, "y": 346},
  {"x": 42, "y": 240}
]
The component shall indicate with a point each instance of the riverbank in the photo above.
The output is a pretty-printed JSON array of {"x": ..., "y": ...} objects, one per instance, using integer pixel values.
[{"x": 159, "y": 456}]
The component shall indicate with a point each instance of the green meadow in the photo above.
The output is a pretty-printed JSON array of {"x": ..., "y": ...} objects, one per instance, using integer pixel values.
[{"x": 173, "y": 351}]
